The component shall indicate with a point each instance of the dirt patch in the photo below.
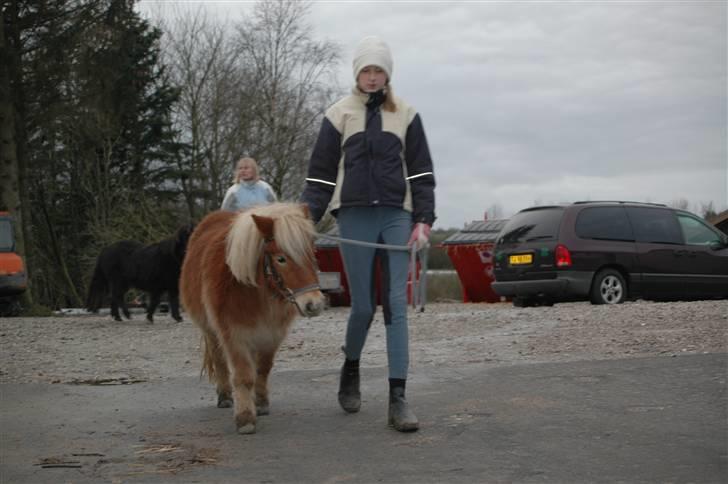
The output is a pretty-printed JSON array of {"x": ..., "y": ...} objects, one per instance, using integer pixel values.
[
  {"x": 171, "y": 458},
  {"x": 97, "y": 350}
]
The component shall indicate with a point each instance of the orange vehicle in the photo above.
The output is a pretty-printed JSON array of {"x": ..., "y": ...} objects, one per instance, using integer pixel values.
[{"x": 13, "y": 278}]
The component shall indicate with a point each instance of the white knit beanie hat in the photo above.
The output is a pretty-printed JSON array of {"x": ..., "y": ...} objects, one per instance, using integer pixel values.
[{"x": 373, "y": 51}]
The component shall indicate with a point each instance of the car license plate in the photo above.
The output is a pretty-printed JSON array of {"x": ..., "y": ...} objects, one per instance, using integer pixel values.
[{"x": 520, "y": 259}]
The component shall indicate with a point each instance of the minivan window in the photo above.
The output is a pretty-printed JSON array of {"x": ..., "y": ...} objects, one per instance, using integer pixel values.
[
  {"x": 542, "y": 224},
  {"x": 654, "y": 225},
  {"x": 697, "y": 232},
  {"x": 604, "y": 223}
]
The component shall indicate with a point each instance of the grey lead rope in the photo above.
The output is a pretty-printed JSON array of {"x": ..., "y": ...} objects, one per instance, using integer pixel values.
[
  {"x": 419, "y": 281},
  {"x": 422, "y": 282}
]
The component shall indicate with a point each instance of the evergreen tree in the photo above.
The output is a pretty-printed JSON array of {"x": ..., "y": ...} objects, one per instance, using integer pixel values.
[{"x": 93, "y": 105}]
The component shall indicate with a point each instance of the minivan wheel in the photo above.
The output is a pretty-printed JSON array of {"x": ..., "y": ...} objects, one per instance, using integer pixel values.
[{"x": 608, "y": 287}]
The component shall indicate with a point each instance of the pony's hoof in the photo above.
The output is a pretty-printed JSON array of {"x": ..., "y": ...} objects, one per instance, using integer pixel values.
[
  {"x": 247, "y": 429},
  {"x": 150, "y": 321},
  {"x": 117, "y": 318},
  {"x": 178, "y": 319},
  {"x": 262, "y": 409},
  {"x": 224, "y": 400},
  {"x": 245, "y": 422}
]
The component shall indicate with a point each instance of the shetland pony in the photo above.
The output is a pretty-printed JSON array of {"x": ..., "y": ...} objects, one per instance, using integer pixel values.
[
  {"x": 153, "y": 268},
  {"x": 245, "y": 278}
]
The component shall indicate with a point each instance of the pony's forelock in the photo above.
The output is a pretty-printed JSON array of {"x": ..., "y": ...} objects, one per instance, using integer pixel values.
[{"x": 292, "y": 230}]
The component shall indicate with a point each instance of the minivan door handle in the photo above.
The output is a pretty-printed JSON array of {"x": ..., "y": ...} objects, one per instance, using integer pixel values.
[{"x": 684, "y": 252}]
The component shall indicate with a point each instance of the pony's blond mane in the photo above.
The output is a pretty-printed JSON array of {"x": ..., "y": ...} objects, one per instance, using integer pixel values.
[{"x": 292, "y": 230}]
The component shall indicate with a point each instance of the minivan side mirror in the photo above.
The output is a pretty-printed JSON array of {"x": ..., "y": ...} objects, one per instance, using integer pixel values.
[{"x": 719, "y": 244}]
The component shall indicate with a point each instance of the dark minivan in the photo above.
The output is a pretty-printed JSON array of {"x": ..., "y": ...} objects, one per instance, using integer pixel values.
[{"x": 608, "y": 252}]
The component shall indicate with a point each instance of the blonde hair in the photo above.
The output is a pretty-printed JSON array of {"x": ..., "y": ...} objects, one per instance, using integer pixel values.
[
  {"x": 248, "y": 161},
  {"x": 389, "y": 104},
  {"x": 292, "y": 229}
]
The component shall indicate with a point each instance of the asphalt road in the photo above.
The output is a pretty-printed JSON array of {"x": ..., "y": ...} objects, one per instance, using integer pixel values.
[{"x": 634, "y": 420}]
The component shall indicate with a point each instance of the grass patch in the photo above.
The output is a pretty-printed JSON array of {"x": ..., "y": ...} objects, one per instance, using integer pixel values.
[
  {"x": 444, "y": 287},
  {"x": 36, "y": 311}
]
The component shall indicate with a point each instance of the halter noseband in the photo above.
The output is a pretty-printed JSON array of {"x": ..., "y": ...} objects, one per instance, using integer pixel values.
[{"x": 276, "y": 282}]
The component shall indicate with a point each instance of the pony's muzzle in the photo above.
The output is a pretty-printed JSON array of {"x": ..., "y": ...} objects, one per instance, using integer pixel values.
[{"x": 311, "y": 303}]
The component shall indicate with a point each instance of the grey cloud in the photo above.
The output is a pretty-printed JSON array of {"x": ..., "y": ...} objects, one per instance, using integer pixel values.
[{"x": 556, "y": 101}]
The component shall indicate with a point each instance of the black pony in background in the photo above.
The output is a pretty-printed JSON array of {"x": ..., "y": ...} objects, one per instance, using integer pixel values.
[{"x": 153, "y": 268}]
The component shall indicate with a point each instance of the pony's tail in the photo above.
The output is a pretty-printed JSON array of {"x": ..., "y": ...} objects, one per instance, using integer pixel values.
[{"x": 96, "y": 290}]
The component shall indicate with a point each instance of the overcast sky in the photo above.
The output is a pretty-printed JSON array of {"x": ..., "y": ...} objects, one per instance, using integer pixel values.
[{"x": 534, "y": 102}]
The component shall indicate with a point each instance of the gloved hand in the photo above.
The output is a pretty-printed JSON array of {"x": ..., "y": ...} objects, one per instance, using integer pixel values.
[{"x": 420, "y": 235}]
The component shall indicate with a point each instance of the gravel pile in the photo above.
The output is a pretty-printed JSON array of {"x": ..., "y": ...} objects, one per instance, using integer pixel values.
[{"x": 97, "y": 350}]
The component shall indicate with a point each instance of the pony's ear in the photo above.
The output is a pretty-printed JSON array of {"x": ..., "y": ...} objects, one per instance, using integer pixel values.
[
  {"x": 264, "y": 224},
  {"x": 306, "y": 211}
]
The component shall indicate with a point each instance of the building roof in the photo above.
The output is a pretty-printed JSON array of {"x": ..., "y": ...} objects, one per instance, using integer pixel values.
[
  {"x": 719, "y": 218},
  {"x": 720, "y": 221},
  {"x": 477, "y": 232}
]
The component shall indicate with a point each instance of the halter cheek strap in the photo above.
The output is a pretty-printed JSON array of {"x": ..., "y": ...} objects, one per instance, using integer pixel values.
[{"x": 276, "y": 282}]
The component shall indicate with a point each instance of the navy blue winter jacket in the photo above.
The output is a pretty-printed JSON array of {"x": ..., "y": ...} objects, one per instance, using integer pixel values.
[{"x": 367, "y": 156}]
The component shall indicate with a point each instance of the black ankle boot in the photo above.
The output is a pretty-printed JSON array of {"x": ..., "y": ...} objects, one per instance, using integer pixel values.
[
  {"x": 400, "y": 415},
  {"x": 349, "y": 395}
]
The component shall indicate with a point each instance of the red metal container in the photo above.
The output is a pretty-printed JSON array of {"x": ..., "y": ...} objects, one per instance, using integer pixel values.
[{"x": 471, "y": 253}]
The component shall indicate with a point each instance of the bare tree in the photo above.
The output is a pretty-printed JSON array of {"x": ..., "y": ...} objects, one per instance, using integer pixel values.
[
  {"x": 260, "y": 93},
  {"x": 256, "y": 90},
  {"x": 293, "y": 82},
  {"x": 12, "y": 166},
  {"x": 681, "y": 203},
  {"x": 494, "y": 212},
  {"x": 9, "y": 183},
  {"x": 707, "y": 210},
  {"x": 207, "y": 70}
]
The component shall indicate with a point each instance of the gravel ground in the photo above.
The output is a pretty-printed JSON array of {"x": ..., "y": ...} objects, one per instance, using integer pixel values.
[{"x": 97, "y": 350}]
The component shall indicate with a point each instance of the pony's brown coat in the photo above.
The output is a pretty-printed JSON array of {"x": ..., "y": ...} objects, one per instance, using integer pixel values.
[{"x": 243, "y": 319}]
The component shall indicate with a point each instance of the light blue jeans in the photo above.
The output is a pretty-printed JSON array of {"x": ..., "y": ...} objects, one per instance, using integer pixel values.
[{"x": 386, "y": 225}]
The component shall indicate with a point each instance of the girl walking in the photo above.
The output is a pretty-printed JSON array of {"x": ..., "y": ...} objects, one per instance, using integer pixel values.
[{"x": 371, "y": 167}]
